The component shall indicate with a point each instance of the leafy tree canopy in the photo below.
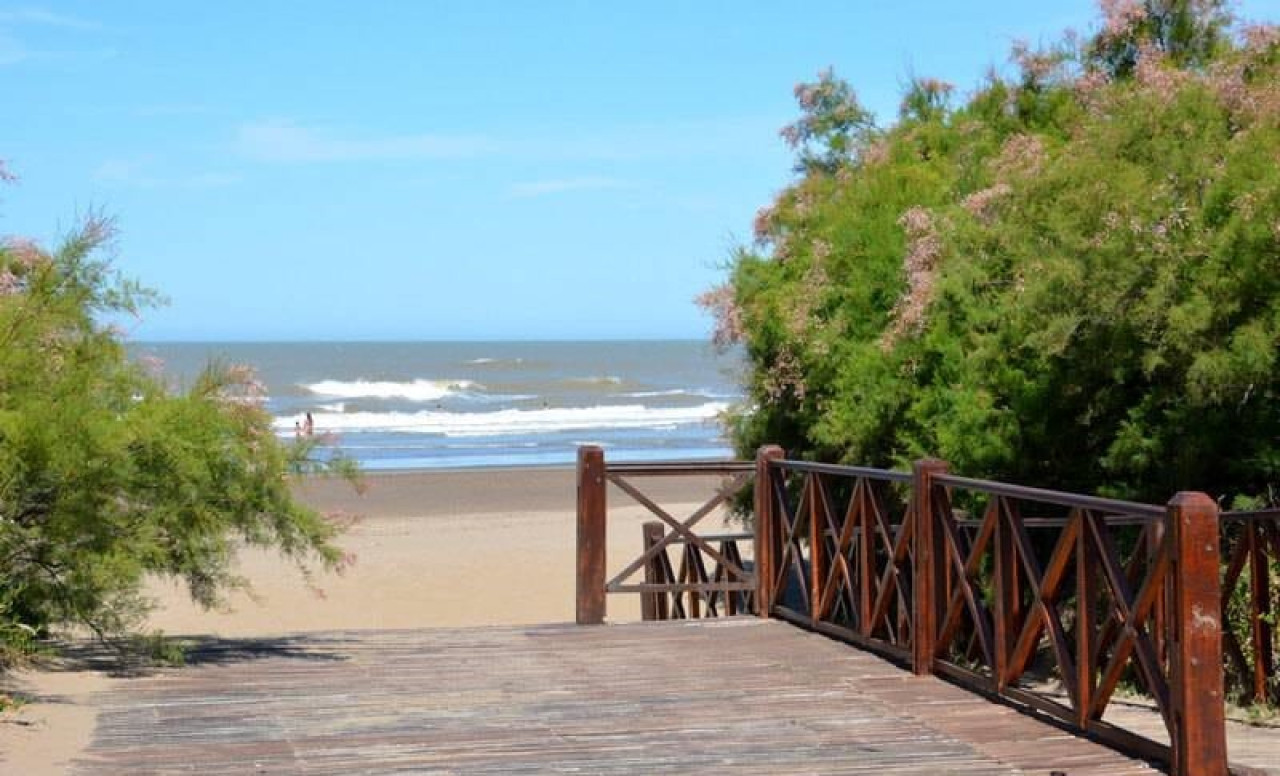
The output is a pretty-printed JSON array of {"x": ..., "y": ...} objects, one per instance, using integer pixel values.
[
  {"x": 1069, "y": 278},
  {"x": 108, "y": 475}
]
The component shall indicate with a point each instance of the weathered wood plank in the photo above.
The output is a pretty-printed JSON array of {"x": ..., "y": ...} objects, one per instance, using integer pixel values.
[{"x": 740, "y": 694}]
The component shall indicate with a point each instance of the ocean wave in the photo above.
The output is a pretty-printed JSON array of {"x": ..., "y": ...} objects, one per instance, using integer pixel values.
[
  {"x": 595, "y": 380},
  {"x": 705, "y": 393},
  {"x": 491, "y": 361},
  {"x": 510, "y": 421},
  {"x": 415, "y": 390}
]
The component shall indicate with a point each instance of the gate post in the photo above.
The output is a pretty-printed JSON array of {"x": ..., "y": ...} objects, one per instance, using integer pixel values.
[
  {"x": 1195, "y": 642},
  {"x": 765, "y": 543},
  {"x": 928, "y": 565},
  {"x": 591, "y": 535},
  {"x": 653, "y": 606}
]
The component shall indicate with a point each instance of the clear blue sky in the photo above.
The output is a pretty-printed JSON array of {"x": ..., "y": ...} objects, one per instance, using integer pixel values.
[{"x": 445, "y": 170}]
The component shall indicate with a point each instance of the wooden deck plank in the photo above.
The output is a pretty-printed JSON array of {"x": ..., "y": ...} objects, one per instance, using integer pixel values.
[{"x": 745, "y": 695}]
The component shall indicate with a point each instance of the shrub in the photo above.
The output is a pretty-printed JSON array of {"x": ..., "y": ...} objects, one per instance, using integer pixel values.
[
  {"x": 107, "y": 476},
  {"x": 1070, "y": 278}
]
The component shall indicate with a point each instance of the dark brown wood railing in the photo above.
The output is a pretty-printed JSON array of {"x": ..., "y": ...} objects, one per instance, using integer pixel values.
[
  {"x": 1011, "y": 591},
  {"x": 1251, "y": 545},
  {"x": 675, "y": 597},
  {"x": 1003, "y": 588},
  {"x": 857, "y": 585},
  {"x": 710, "y": 579}
]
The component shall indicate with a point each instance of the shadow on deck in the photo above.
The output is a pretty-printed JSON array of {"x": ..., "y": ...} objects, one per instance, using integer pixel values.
[{"x": 742, "y": 695}]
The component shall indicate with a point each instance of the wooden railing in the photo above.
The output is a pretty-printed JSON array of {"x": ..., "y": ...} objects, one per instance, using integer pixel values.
[
  {"x": 1251, "y": 543},
  {"x": 683, "y": 591},
  {"x": 1007, "y": 590},
  {"x": 675, "y": 596},
  {"x": 857, "y": 584}
]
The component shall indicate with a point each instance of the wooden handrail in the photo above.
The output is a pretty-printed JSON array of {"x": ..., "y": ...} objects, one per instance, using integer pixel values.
[
  {"x": 710, "y": 577},
  {"x": 885, "y": 560},
  {"x": 902, "y": 572}
]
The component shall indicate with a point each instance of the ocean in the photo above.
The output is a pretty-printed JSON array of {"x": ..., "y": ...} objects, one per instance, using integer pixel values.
[{"x": 445, "y": 405}]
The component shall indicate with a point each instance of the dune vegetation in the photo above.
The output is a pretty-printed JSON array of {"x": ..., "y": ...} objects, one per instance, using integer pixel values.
[
  {"x": 1069, "y": 276},
  {"x": 109, "y": 473}
]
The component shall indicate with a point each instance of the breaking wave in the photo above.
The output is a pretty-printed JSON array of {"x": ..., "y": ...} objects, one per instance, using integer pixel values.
[
  {"x": 511, "y": 421},
  {"x": 414, "y": 390}
]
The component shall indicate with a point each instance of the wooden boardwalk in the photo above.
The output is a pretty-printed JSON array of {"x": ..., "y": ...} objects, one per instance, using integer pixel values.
[{"x": 737, "y": 695}]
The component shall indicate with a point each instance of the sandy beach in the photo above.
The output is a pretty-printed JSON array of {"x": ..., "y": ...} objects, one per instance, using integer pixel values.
[{"x": 437, "y": 549}]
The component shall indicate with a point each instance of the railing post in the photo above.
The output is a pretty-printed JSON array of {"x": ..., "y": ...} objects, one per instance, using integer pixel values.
[
  {"x": 653, "y": 605},
  {"x": 1160, "y": 609},
  {"x": 766, "y": 526},
  {"x": 591, "y": 535},
  {"x": 1259, "y": 611},
  {"x": 927, "y": 566},
  {"x": 816, "y": 548},
  {"x": 1195, "y": 643}
]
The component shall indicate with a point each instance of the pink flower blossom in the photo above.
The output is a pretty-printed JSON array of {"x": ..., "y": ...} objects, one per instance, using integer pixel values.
[
  {"x": 785, "y": 375},
  {"x": 916, "y": 221},
  {"x": 1121, "y": 16},
  {"x": 723, "y": 306},
  {"x": 1259, "y": 38},
  {"x": 1090, "y": 85},
  {"x": 1154, "y": 72},
  {"x": 803, "y": 205},
  {"x": 792, "y": 135},
  {"x": 1036, "y": 66},
  {"x": 1248, "y": 99},
  {"x": 1022, "y": 156},
  {"x": 821, "y": 250},
  {"x": 762, "y": 226},
  {"x": 982, "y": 203},
  {"x": 243, "y": 386},
  {"x": 924, "y": 248},
  {"x": 936, "y": 86},
  {"x": 801, "y": 319},
  {"x": 808, "y": 95},
  {"x": 9, "y": 283},
  {"x": 24, "y": 251},
  {"x": 876, "y": 152}
]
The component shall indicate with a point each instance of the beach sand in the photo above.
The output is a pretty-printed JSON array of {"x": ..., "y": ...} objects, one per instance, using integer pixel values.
[
  {"x": 435, "y": 549},
  {"x": 439, "y": 550}
]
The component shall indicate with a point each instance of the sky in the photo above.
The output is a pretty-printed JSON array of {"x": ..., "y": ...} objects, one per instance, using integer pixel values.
[{"x": 446, "y": 170}]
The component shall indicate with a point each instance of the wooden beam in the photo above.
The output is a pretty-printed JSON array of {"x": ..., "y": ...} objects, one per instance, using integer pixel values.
[
  {"x": 766, "y": 529},
  {"x": 591, "y": 536},
  {"x": 653, "y": 605},
  {"x": 928, "y": 563},
  {"x": 1259, "y": 612},
  {"x": 1199, "y": 735}
]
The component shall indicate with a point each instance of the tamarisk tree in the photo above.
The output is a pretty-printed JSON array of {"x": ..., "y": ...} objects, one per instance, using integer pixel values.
[
  {"x": 107, "y": 475},
  {"x": 1070, "y": 278}
]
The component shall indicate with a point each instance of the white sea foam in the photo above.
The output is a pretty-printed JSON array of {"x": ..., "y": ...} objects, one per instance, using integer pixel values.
[
  {"x": 414, "y": 390},
  {"x": 705, "y": 393},
  {"x": 511, "y": 421},
  {"x": 655, "y": 394},
  {"x": 595, "y": 380}
]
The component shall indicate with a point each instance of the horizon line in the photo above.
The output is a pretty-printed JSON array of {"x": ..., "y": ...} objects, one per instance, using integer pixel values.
[{"x": 402, "y": 341}]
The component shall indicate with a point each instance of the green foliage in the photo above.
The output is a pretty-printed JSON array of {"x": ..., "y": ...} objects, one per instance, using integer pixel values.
[
  {"x": 106, "y": 475},
  {"x": 1071, "y": 279}
]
